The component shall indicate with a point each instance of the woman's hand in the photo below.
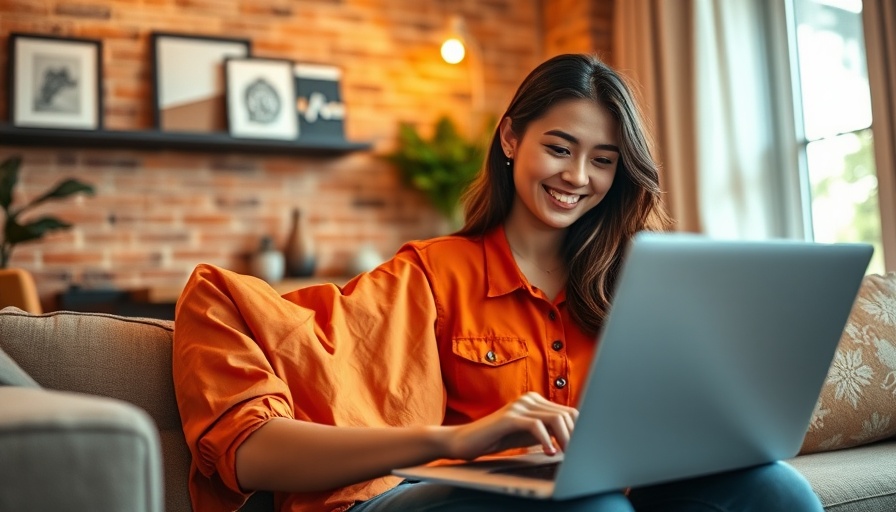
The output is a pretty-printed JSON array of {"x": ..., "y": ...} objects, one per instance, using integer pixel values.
[{"x": 529, "y": 420}]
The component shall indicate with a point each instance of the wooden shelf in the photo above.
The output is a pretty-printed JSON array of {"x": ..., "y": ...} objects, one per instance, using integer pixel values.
[{"x": 157, "y": 140}]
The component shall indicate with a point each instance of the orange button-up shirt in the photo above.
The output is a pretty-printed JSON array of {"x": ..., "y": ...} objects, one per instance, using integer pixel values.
[{"x": 445, "y": 332}]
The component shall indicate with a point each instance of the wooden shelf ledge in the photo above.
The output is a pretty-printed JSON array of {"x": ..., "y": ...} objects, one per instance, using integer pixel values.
[{"x": 158, "y": 140}]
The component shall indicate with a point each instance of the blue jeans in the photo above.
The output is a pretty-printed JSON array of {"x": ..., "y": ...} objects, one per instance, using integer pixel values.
[{"x": 768, "y": 488}]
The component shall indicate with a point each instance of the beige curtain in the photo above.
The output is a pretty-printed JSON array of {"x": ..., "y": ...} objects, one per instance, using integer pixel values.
[
  {"x": 653, "y": 47},
  {"x": 879, "y": 17},
  {"x": 706, "y": 69}
]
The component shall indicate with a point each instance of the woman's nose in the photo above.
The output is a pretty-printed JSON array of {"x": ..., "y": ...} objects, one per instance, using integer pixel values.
[{"x": 576, "y": 174}]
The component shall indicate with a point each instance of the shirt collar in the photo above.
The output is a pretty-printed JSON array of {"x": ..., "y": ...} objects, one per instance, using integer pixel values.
[
  {"x": 501, "y": 270},
  {"x": 503, "y": 275}
]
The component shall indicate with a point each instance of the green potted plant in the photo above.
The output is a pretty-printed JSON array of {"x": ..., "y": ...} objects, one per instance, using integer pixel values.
[
  {"x": 15, "y": 230},
  {"x": 441, "y": 167}
]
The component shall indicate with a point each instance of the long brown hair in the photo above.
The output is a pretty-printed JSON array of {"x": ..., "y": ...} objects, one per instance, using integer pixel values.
[{"x": 595, "y": 245}]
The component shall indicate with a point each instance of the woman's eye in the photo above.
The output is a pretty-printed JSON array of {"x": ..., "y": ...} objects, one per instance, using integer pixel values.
[
  {"x": 558, "y": 150},
  {"x": 602, "y": 160}
]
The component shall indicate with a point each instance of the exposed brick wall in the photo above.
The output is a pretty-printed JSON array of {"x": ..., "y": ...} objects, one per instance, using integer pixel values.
[
  {"x": 159, "y": 213},
  {"x": 573, "y": 26}
]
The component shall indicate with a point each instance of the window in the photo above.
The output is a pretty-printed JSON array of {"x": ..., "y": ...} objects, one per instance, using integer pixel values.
[{"x": 834, "y": 125}]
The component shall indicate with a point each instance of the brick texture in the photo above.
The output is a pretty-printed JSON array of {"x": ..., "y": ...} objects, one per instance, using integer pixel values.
[
  {"x": 574, "y": 26},
  {"x": 156, "y": 214}
]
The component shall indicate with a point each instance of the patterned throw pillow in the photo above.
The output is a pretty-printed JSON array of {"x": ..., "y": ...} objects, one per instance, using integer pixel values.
[{"x": 858, "y": 401}]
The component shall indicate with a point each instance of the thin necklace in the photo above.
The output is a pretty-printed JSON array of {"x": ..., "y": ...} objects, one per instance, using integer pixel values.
[{"x": 549, "y": 272}]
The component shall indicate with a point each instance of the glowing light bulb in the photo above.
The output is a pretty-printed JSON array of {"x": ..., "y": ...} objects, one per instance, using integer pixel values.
[{"x": 453, "y": 51}]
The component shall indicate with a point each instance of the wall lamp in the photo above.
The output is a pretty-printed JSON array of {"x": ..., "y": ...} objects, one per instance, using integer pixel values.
[
  {"x": 453, "y": 49},
  {"x": 459, "y": 44}
]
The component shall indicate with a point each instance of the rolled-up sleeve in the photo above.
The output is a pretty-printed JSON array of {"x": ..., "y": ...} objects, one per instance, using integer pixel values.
[
  {"x": 224, "y": 384},
  {"x": 361, "y": 355}
]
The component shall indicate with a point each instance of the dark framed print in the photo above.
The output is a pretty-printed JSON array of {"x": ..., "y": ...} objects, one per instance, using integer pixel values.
[
  {"x": 55, "y": 82},
  {"x": 261, "y": 98},
  {"x": 319, "y": 101},
  {"x": 188, "y": 73}
]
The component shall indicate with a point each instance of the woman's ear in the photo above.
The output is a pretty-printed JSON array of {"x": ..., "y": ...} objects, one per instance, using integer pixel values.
[{"x": 509, "y": 139}]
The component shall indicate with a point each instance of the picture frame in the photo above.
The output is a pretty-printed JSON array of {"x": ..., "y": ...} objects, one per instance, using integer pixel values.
[
  {"x": 261, "y": 98},
  {"x": 319, "y": 102},
  {"x": 188, "y": 80},
  {"x": 55, "y": 82}
]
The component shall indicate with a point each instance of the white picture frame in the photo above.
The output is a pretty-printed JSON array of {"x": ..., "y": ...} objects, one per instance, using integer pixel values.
[
  {"x": 261, "y": 98},
  {"x": 55, "y": 82},
  {"x": 188, "y": 72}
]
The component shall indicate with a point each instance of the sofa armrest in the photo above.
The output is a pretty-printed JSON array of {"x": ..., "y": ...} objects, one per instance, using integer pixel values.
[{"x": 70, "y": 451}]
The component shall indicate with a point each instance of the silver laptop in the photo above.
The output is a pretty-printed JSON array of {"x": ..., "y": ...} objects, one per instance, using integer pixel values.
[{"x": 712, "y": 359}]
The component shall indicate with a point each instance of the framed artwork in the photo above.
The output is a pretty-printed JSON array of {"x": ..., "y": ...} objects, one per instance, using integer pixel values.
[
  {"x": 319, "y": 101},
  {"x": 188, "y": 76},
  {"x": 55, "y": 82},
  {"x": 260, "y": 98}
]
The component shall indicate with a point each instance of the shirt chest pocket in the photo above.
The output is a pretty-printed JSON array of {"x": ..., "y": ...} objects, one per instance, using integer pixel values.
[{"x": 489, "y": 369}]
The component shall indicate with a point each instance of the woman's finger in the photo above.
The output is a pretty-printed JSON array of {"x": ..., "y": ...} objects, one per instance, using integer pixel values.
[
  {"x": 558, "y": 419},
  {"x": 537, "y": 429},
  {"x": 557, "y": 425},
  {"x": 560, "y": 429},
  {"x": 534, "y": 401}
]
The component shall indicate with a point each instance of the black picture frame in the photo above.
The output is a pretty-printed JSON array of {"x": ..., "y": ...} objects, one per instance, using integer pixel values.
[
  {"x": 261, "y": 98},
  {"x": 319, "y": 102},
  {"x": 55, "y": 82},
  {"x": 188, "y": 80}
]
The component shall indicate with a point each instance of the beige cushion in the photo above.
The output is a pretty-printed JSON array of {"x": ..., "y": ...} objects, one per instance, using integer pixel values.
[
  {"x": 862, "y": 479},
  {"x": 858, "y": 401},
  {"x": 95, "y": 353}
]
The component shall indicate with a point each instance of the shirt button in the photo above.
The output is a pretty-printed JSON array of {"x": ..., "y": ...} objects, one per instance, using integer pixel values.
[
  {"x": 557, "y": 345},
  {"x": 490, "y": 356},
  {"x": 560, "y": 383},
  {"x": 552, "y": 315}
]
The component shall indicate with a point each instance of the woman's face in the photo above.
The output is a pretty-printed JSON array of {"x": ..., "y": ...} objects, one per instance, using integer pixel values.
[{"x": 564, "y": 163}]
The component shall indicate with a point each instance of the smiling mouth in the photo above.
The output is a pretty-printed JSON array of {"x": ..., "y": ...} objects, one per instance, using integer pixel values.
[{"x": 569, "y": 199}]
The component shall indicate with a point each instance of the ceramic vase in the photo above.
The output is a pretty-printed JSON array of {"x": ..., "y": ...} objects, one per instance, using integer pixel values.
[
  {"x": 366, "y": 259},
  {"x": 299, "y": 249},
  {"x": 268, "y": 263}
]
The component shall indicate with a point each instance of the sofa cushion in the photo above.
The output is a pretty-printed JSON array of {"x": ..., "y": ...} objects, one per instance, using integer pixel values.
[
  {"x": 858, "y": 401},
  {"x": 96, "y": 353},
  {"x": 100, "y": 354},
  {"x": 862, "y": 479},
  {"x": 12, "y": 374},
  {"x": 70, "y": 451}
]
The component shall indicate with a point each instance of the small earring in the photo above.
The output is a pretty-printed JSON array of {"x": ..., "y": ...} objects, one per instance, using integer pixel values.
[{"x": 509, "y": 162}]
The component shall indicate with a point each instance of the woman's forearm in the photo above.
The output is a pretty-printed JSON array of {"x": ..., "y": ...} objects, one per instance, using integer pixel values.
[{"x": 297, "y": 456}]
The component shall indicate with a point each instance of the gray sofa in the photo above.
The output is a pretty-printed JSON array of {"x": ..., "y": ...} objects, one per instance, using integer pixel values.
[{"x": 98, "y": 428}]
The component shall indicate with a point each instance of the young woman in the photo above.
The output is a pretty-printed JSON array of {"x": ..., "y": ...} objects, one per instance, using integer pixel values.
[{"x": 457, "y": 347}]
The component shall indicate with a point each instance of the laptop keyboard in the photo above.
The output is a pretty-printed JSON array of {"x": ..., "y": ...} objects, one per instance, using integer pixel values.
[{"x": 540, "y": 471}]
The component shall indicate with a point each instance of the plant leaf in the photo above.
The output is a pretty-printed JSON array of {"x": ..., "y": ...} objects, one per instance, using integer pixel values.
[
  {"x": 9, "y": 176},
  {"x": 63, "y": 189},
  {"x": 16, "y": 233},
  {"x": 440, "y": 167}
]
